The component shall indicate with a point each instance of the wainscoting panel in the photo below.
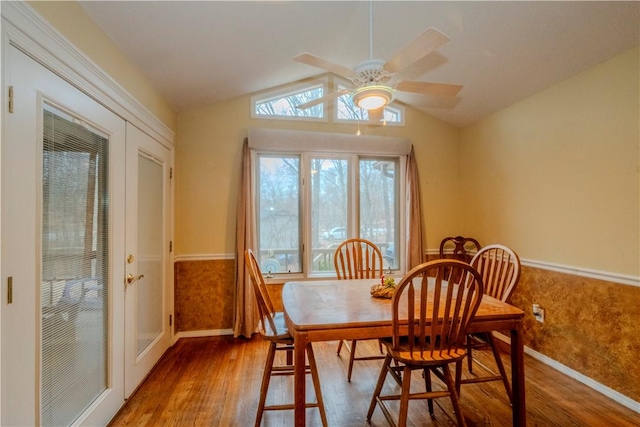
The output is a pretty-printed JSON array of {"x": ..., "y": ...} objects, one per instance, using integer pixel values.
[
  {"x": 204, "y": 295},
  {"x": 591, "y": 325}
]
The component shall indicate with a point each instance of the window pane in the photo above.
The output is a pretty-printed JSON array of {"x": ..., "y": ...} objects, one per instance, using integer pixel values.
[
  {"x": 75, "y": 207},
  {"x": 347, "y": 110},
  {"x": 149, "y": 293},
  {"x": 279, "y": 214},
  {"x": 329, "y": 210},
  {"x": 378, "y": 206},
  {"x": 286, "y": 105}
]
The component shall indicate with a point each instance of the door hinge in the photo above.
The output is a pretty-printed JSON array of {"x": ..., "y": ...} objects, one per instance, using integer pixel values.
[
  {"x": 11, "y": 99},
  {"x": 171, "y": 320},
  {"x": 10, "y": 290},
  {"x": 170, "y": 246},
  {"x": 170, "y": 173}
]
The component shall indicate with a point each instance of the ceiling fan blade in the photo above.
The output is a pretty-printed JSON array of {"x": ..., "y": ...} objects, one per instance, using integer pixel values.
[
  {"x": 426, "y": 88},
  {"x": 425, "y": 43},
  {"x": 320, "y": 100},
  {"x": 376, "y": 116},
  {"x": 310, "y": 59}
]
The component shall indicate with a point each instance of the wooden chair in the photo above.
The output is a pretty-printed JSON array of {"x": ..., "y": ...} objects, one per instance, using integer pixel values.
[
  {"x": 499, "y": 267},
  {"x": 430, "y": 315},
  {"x": 458, "y": 247},
  {"x": 357, "y": 259},
  {"x": 273, "y": 328}
]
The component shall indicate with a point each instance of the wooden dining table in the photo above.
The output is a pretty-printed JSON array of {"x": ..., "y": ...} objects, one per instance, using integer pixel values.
[{"x": 329, "y": 310}]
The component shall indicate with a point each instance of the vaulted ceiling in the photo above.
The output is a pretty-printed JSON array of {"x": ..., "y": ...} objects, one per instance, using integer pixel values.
[{"x": 198, "y": 53}]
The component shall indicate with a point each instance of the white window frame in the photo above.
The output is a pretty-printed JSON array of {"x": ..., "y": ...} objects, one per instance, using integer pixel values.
[
  {"x": 287, "y": 90},
  {"x": 310, "y": 144}
]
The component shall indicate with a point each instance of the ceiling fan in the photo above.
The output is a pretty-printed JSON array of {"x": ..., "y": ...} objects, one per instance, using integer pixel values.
[{"x": 376, "y": 81}]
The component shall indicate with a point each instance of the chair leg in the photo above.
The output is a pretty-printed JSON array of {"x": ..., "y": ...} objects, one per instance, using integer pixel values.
[
  {"x": 453, "y": 395},
  {"x": 404, "y": 397},
  {"x": 264, "y": 387},
  {"x": 426, "y": 373},
  {"x": 340, "y": 347},
  {"x": 376, "y": 393},
  {"x": 496, "y": 356},
  {"x": 316, "y": 384},
  {"x": 469, "y": 354},
  {"x": 458, "y": 376},
  {"x": 352, "y": 356}
]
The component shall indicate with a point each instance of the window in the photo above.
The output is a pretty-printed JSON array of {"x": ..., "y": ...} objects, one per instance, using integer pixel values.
[
  {"x": 283, "y": 103},
  {"x": 278, "y": 207},
  {"x": 75, "y": 257},
  {"x": 334, "y": 219},
  {"x": 308, "y": 202}
]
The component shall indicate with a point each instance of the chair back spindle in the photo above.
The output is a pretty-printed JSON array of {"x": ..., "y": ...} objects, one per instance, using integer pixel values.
[
  {"x": 266, "y": 308},
  {"x": 499, "y": 267},
  {"x": 435, "y": 326},
  {"x": 357, "y": 259}
]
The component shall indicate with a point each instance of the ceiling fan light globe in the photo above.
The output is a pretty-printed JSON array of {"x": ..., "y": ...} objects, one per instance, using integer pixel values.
[
  {"x": 371, "y": 102},
  {"x": 372, "y": 97}
]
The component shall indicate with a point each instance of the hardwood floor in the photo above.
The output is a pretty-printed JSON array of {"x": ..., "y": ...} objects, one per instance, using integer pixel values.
[{"x": 216, "y": 381}]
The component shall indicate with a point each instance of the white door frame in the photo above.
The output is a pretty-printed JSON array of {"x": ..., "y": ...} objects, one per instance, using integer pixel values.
[
  {"x": 22, "y": 161},
  {"x": 24, "y": 28}
]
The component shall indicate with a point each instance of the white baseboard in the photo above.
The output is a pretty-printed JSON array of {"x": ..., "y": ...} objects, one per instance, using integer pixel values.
[
  {"x": 202, "y": 333},
  {"x": 612, "y": 394}
]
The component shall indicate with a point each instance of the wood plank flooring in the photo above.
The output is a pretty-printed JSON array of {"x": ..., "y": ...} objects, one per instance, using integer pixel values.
[{"x": 216, "y": 381}]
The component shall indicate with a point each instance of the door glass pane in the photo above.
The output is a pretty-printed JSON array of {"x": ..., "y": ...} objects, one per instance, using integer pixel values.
[
  {"x": 278, "y": 213},
  {"x": 150, "y": 244},
  {"x": 378, "y": 206},
  {"x": 75, "y": 207},
  {"x": 329, "y": 216}
]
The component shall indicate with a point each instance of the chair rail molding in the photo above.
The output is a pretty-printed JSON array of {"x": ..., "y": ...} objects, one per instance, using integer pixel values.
[
  {"x": 623, "y": 279},
  {"x": 203, "y": 257},
  {"x": 25, "y": 29},
  {"x": 608, "y": 276}
]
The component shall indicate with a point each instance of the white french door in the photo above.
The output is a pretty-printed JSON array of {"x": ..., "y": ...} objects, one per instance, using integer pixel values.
[
  {"x": 63, "y": 251},
  {"x": 147, "y": 296}
]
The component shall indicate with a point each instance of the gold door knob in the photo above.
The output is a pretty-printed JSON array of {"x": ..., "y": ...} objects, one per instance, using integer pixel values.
[{"x": 131, "y": 278}]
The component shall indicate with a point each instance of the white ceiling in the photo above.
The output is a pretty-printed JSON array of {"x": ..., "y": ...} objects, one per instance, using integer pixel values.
[{"x": 197, "y": 53}]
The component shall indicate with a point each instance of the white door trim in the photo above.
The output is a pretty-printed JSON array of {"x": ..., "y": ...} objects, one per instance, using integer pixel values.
[{"x": 28, "y": 31}]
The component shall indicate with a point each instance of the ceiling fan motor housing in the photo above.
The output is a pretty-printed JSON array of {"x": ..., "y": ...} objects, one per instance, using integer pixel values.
[{"x": 370, "y": 72}]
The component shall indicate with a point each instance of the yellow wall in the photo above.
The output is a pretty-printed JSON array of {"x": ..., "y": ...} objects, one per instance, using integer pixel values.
[
  {"x": 208, "y": 149},
  {"x": 557, "y": 176},
  {"x": 70, "y": 19}
]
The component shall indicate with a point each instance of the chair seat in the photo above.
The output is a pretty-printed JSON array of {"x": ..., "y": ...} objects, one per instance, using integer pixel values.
[
  {"x": 404, "y": 354},
  {"x": 281, "y": 334}
]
